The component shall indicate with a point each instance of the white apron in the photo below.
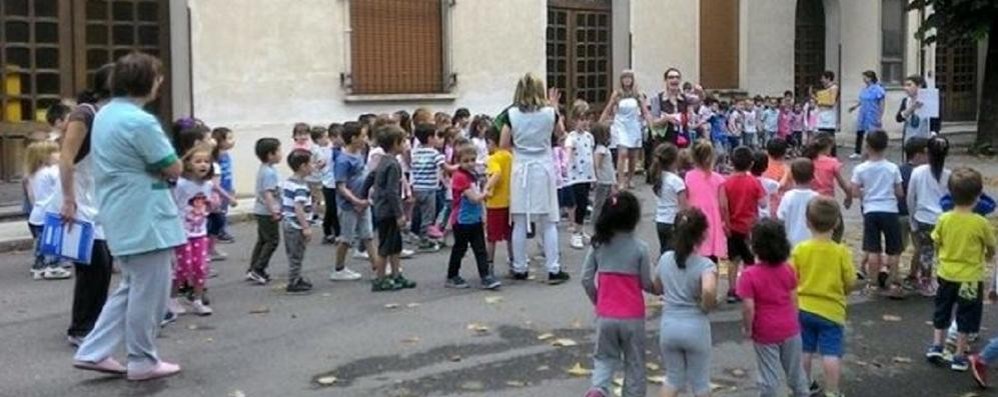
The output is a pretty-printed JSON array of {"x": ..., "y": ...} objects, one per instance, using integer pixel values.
[{"x": 532, "y": 185}]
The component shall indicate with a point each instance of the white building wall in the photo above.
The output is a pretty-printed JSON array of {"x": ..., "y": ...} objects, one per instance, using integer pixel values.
[
  {"x": 767, "y": 50},
  {"x": 260, "y": 69},
  {"x": 665, "y": 34}
]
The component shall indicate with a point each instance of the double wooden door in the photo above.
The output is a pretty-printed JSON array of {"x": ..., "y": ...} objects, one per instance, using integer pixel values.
[{"x": 579, "y": 51}]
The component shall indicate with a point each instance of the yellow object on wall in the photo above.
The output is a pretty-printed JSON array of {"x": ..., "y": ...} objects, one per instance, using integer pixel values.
[{"x": 12, "y": 86}]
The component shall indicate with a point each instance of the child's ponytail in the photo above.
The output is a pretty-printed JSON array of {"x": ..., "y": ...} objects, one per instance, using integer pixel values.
[
  {"x": 666, "y": 155},
  {"x": 620, "y": 214},
  {"x": 938, "y": 150},
  {"x": 691, "y": 224}
]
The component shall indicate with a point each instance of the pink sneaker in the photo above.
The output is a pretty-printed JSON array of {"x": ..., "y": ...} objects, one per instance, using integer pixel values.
[
  {"x": 434, "y": 232},
  {"x": 596, "y": 392},
  {"x": 108, "y": 366},
  {"x": 161, "y": 370}
]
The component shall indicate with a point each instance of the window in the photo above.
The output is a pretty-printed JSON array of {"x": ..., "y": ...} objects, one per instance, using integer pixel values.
[
  {"x": 893, "y": 32},
  {"x": 33, "y": 60},
  {"x": 578, "y": 51},
  {"x": 397, "y": 47}
]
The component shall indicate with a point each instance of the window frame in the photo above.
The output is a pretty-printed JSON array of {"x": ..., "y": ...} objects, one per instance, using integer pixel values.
[
  {"x": 886, "y": 61},
  {"x": 448, "y": 81}
]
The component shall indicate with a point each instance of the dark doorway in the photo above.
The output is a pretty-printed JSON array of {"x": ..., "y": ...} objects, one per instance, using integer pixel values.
[
  {"x": 956, "y": 78},
  {"x": 809, "y": 45},
  {"x": 579, "y": 50}
]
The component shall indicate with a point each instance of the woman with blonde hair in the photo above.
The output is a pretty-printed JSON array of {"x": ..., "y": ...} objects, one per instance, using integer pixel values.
[
  {"x": 628, "y": 107},
  {"x": 527, "y": 132}
]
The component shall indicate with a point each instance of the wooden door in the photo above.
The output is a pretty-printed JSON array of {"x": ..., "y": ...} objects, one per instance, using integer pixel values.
[
  {"x": 719, "y": 40},
  {"x": 956, "y": 78},
  {"x": 579, "y": 51},
  {"x": 809, "y": 45}
]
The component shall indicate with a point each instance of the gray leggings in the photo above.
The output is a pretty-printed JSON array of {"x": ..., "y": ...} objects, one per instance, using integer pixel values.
[
  {"x": 620, "y": 343},
  {"x": 685, "y": 343}
]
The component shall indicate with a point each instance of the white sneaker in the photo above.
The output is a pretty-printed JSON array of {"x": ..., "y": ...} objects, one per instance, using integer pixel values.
[
  {"x": 344, "y": 275},
  {"x": 56, "y": 273},
  {"x": 201, "y": 309},
  {"x": 576, "y": 241},
  {"x": 854, "y": 156},
  {"x": 406, "y": 254},
  {"x": 37, "y": 274},
  {"x": 175, "y": 307},
  {"x": 361, "y": 255}
]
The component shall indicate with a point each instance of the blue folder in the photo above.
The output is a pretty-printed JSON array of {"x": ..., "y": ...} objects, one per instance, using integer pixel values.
[{"x": 73, "y": 240}]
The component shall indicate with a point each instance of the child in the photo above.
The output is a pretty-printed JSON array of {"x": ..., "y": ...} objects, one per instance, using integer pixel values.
[
  {"x": 354, "y": 208},
  {"x": 42, "y": 166},
  {"x": 266, "y": 210},
  {"x": 321, "y": 153},
  {"x": 581, "y": 173},
  {"x": 769, "y": 311},
  {"x": 671, "y": 192},
  {"x": 688, "y": 284},
  {"x": 617, "y": 268},
  {"x": 499, "y": 168},
  {"x": 980, "y": 363},
  {"x": 193, "y": 197},
  {"x": 797, "y": 125},
  {"x": 770, "y": 120},
  {"x": 566, "y": 201},
  {"x": 878, "y": 182},
  {"x": 466, "y": 218},
  {"x": 767, "y": 207},
  {"x": 476, "y": 133},
  {"x": 57, "y": 117},
  {"x": 826, "y": 275},
  {"x": 927, "y": 185},
  {"x": 750, "y": 126},
  {"x": 703, "y": 189},
  {"x": 300, "y": 136},
  {"x": 389, "y": 217},
  {"x": 330, "y": 222},
  {"x": 719, "y": 125},
  {"x": 446, "y": 138},
  {"x": 606, "y": 175},
  {"x": 964, "y": 241},
  {"x": 792, "y": 210},
  {"x": 828, "y": 173},
  {"x": 296, "y": 209},
  {"x": 784, "y": 124},
  {"x": 743, "y": 194},
  {"x": 225, "y": 140},
  {"x": 427, "y": 170},
  {"x": 736, "y": 125}
]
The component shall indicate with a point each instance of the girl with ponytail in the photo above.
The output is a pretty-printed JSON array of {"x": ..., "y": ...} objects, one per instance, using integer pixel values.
[{"x": 926, "y": 188}]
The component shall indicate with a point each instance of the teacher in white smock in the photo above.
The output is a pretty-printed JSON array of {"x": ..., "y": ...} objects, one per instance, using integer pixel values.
[{"x": 533, "y": 118}]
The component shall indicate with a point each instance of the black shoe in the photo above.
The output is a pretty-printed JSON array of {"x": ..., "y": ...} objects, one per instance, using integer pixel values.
[
  {"x": 489, "y": 282},
  {"x": 168, "y": 319},
  {"x": 457, "y": 282},
  {"x": 329, "y": 240},
  {"x": 557, "y": 278},
  {"x": 204, "y": 297},
  {"x": 815, "y": 388},
  {"x": 882, "y": 279},
  {"x": 226, "y": 239},
  {"x": 256, "y": 277},
  {"x": 520, "y": 276},
  {"x": 298, "y": 286}
]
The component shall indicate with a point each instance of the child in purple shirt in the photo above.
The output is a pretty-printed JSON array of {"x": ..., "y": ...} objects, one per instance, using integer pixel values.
[{"x": 769, "y": 291}]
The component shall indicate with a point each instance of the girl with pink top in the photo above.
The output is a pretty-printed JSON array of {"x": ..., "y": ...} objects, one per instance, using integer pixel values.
[
  {"x": 827, "y": 173},
  {"x": 785, "y": 120},
  {"x": 703, "y": 187}
]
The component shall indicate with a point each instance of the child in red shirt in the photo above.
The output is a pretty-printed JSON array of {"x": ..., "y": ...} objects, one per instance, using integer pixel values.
[
  {"x": 743, "y": 194},
  {"x": 466, "y": 217}
]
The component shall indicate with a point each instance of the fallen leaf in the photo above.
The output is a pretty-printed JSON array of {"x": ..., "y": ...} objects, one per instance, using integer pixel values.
[
  {"x": 862, "y": 363},
  {"x": 326, "y": 380},
  {"x": 579, "y": 371},
  {"x": 738, "y": 373},
  {"x": 456, "y": 358},
  {"x": 209, "y": 340},
  {"x": 528, "y": 323},
  {"x": 473, "y": 385},
  {"x": 618, "y": 381},
  {"x": 577, "y": 324},
  {"x": 715, "y": 387},
  {"x": 545, "y": 336},
  {"x": 531, "y": 277},
  {"x": 652, "y": 366},
  {"x": 658, "y": 380},
  {"x": 515, "y": 383},
  {"x": 412, "y": 305},
  {"x": 326, "y": 294},
  {"x": 391, "y": 306},
  {"x": 478, "y": 328},
  {"x": 411, "y": 340},
  {"x": 260, "y": 310},
  {"x": 564, "y": 342},
  {"x": 493, "y": 299},
  {"x": 970, "y": 394},
  {"x": 892, "y": 318},
  {"x": 543, "y": 368},
  {"x": 237, "y": 393},
  {"x": 618, "y": 391},
  {"x": 192, "y": 327},
  {"x": 902, "y": 360}
]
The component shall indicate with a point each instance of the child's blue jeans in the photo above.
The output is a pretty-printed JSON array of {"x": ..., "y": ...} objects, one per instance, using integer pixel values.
[{"x": 990, "y": 352}]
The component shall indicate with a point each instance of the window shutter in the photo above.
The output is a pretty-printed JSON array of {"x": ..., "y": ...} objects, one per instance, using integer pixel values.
[{"x": 397, "y": 46}]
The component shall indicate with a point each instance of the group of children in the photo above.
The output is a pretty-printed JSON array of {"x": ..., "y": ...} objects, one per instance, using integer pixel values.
[{"x": 776, "y": 219}]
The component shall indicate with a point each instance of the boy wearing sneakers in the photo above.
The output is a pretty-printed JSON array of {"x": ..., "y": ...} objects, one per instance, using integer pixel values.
[
  {"x": 466, "y": 218},
  {"x": 879, "y": 182},
  {"x": 963, "y": 242},
  {"x": 743, "y": 195},
  {"x": 388, "y": 214},
  {"x": 499, "y": 168},
  {"x": 266, "y": 210},
  {"x": 296, "y": 208},
  {"x": 826, "y": 275},
  {"x": 354, "y": 210},
  {"x": 427, "y": 168}
]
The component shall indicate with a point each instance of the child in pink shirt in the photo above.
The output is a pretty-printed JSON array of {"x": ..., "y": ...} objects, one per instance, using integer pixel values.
[
  {"x": 703, "y": 187},
  {"x": 769, "y": 309},
  {"x": 828, "y": 173}
]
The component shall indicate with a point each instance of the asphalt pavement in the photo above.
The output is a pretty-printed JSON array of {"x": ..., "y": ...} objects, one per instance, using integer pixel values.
[{"x": 343, "y": 340}]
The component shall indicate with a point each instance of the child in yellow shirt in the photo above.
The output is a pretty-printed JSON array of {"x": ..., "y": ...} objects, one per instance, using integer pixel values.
[
  {"x": 826, "y": 275},
  {"x": 499, "y": 169},
  {"x": 963, "y": 241}
]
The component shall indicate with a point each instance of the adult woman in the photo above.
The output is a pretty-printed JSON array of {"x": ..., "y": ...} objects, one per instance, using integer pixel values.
[
  {"x": 628, "y": 107},
  {"x": 133, "y": 161},
  {"x": 533, "y": 197},
  {"x": 667, "y": 109},
  {"x": 871, "y": 109},
  {"x": 78, "y": 202}
]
